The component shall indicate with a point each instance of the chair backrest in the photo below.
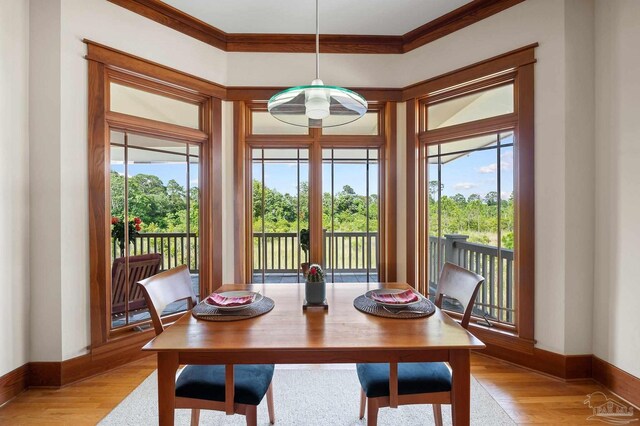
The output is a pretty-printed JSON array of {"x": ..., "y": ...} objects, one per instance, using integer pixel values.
[
  {"x": 164, "y": 288},
  {"x": 140, "y": 267},
  {"x": 461, "y": 284}
]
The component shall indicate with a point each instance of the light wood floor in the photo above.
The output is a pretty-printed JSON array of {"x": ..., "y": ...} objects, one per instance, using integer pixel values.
[{"x": 528, "y": 397}]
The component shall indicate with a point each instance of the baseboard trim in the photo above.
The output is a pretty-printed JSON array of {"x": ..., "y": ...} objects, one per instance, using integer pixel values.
[
  {"x": 99, "y": 360},
  {"x": 109, "y": 357},
  {"x": 567, "y": 367},
  {"x": 620, "y": 382},
  {"x": 14, "y": 382}
]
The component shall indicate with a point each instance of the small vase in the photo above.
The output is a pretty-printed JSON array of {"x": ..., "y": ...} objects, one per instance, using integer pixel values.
[{"x": 315, "y": 293}]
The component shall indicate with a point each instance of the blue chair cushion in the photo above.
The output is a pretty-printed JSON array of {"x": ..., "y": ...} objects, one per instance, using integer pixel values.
[
  {"x": 207, "y": 382},
  {"x": 413, "y": 377}
]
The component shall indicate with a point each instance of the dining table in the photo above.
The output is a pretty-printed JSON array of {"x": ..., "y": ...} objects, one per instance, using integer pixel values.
[{"x": 290, "y": 335}]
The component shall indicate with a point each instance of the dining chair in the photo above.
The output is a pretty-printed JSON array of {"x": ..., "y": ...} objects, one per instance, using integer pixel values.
[
  {"x": 204, "y": 386},
  {"x": 390, "y": 385}
]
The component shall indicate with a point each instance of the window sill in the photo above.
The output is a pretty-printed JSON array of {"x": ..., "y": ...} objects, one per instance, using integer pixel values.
[{"x": 493, "y": 336}]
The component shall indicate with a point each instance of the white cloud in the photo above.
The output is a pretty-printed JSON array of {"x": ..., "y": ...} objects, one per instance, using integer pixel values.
[
  {"x": 491, "y": 168},
  {"x": 506, "y": 161},
  {"x": 464, "y": 186},
  {"x": 506, "y": 164}
]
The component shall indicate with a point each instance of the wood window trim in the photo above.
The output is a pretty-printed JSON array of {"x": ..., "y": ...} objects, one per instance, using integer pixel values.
[
  {"x": 448, "y": 23},
  {"x": 516, "y": 66},
  {"x": 315, "y": 142},
  {"x": 100, "y": 56},
  {"x": 101, "y": 120}
]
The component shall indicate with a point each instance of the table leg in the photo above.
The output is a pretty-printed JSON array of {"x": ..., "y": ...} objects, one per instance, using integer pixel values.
[
  {"x": 167, "y": 367},
  {"x": 461, "y": 387}
]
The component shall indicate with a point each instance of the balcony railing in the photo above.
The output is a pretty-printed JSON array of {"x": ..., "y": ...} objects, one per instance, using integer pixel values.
[
  {"x": 496, "y": 296},
  {"x": 350, "y": 251},
  {"x": 176, "y": 249}
]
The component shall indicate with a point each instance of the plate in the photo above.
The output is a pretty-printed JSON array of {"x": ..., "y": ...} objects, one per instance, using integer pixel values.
[
  {"x": 391, "y": 291},
  {"x": 258, "y": 297}
]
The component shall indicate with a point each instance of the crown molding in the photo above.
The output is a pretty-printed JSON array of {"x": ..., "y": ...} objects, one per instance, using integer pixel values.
[{"x": 455, "y": 20}]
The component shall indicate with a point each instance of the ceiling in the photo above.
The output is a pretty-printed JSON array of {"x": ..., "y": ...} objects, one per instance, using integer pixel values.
[{"x": 364, "y": 17}]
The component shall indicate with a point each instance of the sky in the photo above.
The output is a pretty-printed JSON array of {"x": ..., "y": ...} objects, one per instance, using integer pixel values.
[
  {"x": 283, "y": 177},
  {"x": 473, "y": 173},
  {"x": 165, "y": 172},
  {"x": 476, "y": 173}
]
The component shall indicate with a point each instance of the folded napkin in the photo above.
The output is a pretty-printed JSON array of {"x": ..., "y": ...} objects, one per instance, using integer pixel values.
[
  {"x": 406, "y": 296},
  {"x": 219, "y": 300}
]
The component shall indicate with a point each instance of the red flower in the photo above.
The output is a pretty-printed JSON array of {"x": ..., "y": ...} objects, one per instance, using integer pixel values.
[
  {"x": 313, "y": 271},
  {"x": 138, "y": 228},
  {"x": 114, "y": 220},
  {"x": 137, "y": 221}
]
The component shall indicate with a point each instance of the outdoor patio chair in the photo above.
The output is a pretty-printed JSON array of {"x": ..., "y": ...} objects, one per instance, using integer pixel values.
[{"x": 140, "y": 267}]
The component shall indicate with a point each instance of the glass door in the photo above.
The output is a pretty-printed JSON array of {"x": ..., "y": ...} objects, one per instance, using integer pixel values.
[
  {"x": 280, "y": 214},
  {"x": 350, "y": 214}
]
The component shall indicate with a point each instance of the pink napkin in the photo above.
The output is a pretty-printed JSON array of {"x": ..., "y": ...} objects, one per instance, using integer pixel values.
[
  {"x": 220, "y": 300},
  {"x": 406, "y": 296}
]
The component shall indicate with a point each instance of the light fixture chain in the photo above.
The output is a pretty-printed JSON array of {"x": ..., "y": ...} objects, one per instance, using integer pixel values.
[
  {"x": 309, "y": 106},
  {"x": 317, "y": 41}
]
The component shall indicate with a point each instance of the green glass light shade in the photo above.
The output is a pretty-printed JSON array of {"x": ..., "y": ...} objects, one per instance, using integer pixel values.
[{"x": 317, "y": 105}]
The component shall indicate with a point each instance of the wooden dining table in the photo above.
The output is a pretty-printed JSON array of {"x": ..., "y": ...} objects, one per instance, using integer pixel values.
[{"x": 290, "y": 335}]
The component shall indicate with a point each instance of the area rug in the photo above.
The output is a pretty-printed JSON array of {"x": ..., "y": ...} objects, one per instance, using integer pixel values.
[{"x": 307, "y": 397}]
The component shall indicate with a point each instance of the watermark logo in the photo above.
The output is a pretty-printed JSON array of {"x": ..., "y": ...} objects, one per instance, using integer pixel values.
[{"x": 608, "y": 410}]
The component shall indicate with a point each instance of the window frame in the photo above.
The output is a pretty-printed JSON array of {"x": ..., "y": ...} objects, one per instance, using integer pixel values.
[
  {"x": 315, "y": 142},
  {"x": 101, "y": 121},
  {"x": 516, "y": 67}
]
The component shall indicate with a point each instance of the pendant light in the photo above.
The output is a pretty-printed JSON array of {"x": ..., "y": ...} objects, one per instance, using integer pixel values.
[{"x": 317, "y": 105}]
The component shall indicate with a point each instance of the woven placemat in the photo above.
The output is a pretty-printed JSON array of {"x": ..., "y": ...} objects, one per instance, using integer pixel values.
[
  {"x": 209, "y": 313},
  {"x": 422, "y": 309}
]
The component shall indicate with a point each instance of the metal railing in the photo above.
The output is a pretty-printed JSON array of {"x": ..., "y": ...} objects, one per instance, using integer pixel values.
[
  {"x": 176, "y": 249},
  {"x": 350, "y": 251},
  {"x": 496, "y": 297}
]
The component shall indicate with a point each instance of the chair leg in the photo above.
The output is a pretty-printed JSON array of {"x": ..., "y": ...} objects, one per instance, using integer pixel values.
[
  {"x": 252, "y": 415},
  {"x": 363, "y": 403},
  {"x": 437, "y": 414},
  {"x": 272, "y": 416},
  {"x": 372, "y": 412},
  {"x": 195, "y": 416}
]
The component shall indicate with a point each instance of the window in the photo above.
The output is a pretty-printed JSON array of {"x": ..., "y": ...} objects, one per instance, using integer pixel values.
[
  {"x": 314, "y": 196},
  {"x": 470, "y": 196},
  {"x": 367, "y": 125},
  {"x": 140, "y": 103},
  {"x": 149, "y": 209},
  {"x": 155, "y": 189},
  {"x": 350, "y": 214},
  {"x": 470, "y": 206},
  {"x": 263, "y": 123},
  {"x": 471, "y": 107},
  {"x": 472, "y": 172},
  {"x": 280, "y": 214}
]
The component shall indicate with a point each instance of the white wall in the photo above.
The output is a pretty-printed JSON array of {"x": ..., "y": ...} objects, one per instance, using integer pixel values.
[
  {"x": 564, "y": 255},
  {"x": 551, "y": 24},
  {"x": 617, "y": 283},
  {"x": 114, "y": 26},
  {"x": 14, "y": 184},
  {"x": 539, "y": 21},
  {"x": 45, "y": 192},
  {"x": 579, "y": 175}
]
